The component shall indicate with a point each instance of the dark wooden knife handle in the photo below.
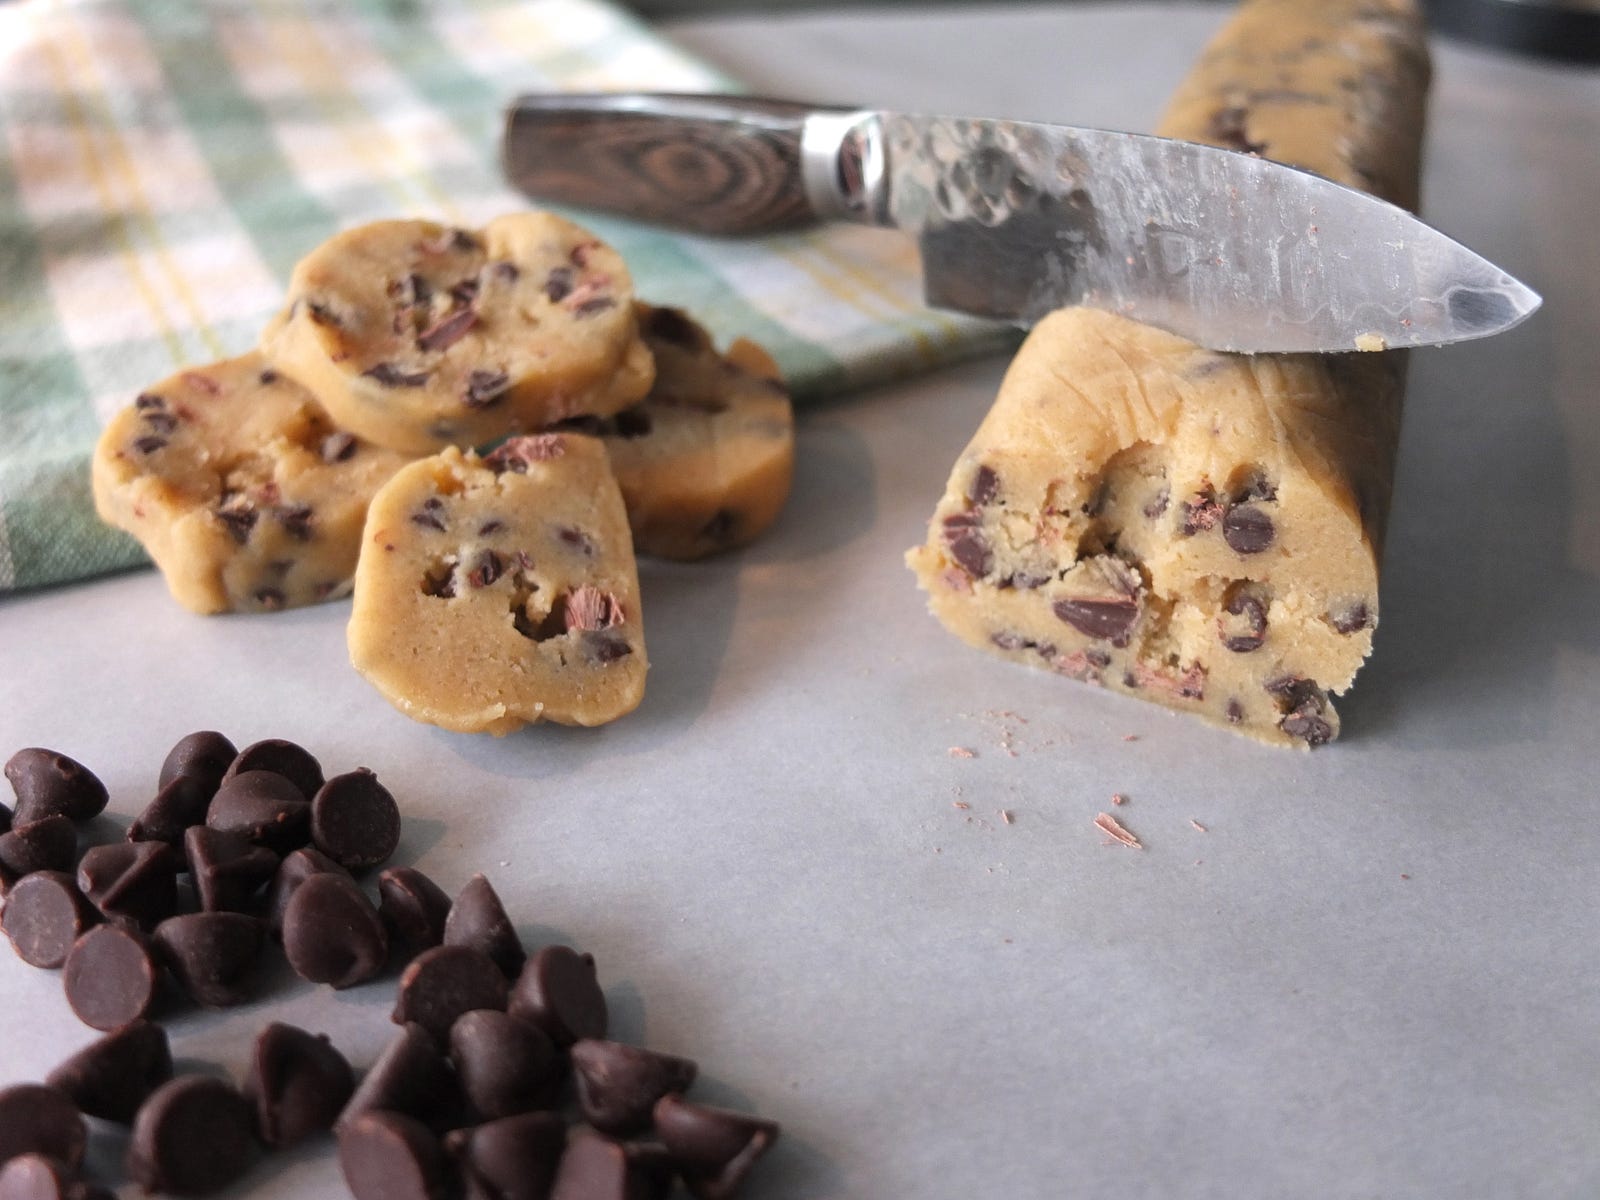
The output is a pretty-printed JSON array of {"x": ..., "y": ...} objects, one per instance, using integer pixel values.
[{"x": 706, "y": 163}]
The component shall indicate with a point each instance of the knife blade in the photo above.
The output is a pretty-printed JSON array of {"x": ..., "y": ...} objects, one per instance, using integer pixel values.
[{"x": 1017, "y": 218}]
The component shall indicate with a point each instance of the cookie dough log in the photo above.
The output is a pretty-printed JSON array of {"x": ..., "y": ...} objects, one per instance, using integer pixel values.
[
  {"x": 496, "y": 591},
  {"x": 1203, "y": 530},
  {"x": 241, "y": 488},
  {"x": 419, "y": 336},
  {"x": 705, "y": 461}
]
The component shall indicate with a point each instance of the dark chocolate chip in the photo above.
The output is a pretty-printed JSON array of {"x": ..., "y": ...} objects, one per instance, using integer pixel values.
[
  {"x": 618, "y": 1084},
  {"x": 267, "y": 377},
  {"x": 1109, "y": 620},
  {"x": 597, "y": 1168},
  {"x": 321, "y": 314},
  {"x": 1307, "y": 723},
  {"x": 1353, "y": 619},
  {"x": 47, "y": 845},
  {"x": 211, "y": 954},
  {"x": 297, "y": 1084},
  {"x": 263, "y": 806},
  {"x": 1243, "y": 637},
  {"x": 338, "y": 447},
  {"x": 412, "y": 1077},
  {"x": 442, "y": 983},
  {"x": 673, "y": 326},
  {"x": 1247, "y": 529},
  {"x": 146, "y": 402},
  {"x": 514, "y": 1158},
  {"x": 604, "y": 646},
  {"x": 505, "y": 271},
  {"x": 294, "y": 762},
  {"x": 478, "y": 919},
  {"x": 295, "y": 869},
  {"x": 296, "y": 520},
  {"x": 414, "y": 908},
  {"x": 228, "y": 868},
  {"x": 161, "y": 422},
  {"x": 448, "y": 330},
  {"x": 393, "y": 375},
  {"x": 577, "y": 539},
  {"x": 431, "y": 515},
  {"x": 963, "y": 536},
  {"x": 149, "y": 444},
  {"x": 204, "y": 756},
  {"x": 45, "y": 914},
  {"x": 493, "y": 525},
  {"x": 194, "y": 1136},
  {"x": 559, "y": 991},
  {"x": 354, "y": 820},
  {"x": 1158, "y": 503},
  {"x": 985, "y": 486},
  {"x": 111, "y": 977},
  {"x": 388, "y": 1156},
  {"x": 132, "y": 883},
  {"x": 49, "y": 784},
  {"x": 504, "y": 1064},
  {"x": 35, "y": 1119},
  {"x": 237, "y": 517},
  {"x": 111, "y": 1077},
  {"x": 558, "y": 284},
  {"x": 1228, "y": 129},
  {"x": 713, "y": 1148},
  {"x": 1235, "y": 712},
  {"x": 595, "y": 304},
  {"x": 332, "y": 933},
  {"x": 487, "y": 568},
  {"x": 485, "y": 388}
]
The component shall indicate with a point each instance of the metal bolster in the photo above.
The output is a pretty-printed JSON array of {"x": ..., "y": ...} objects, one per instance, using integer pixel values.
[{"x": 842, "y": 165}]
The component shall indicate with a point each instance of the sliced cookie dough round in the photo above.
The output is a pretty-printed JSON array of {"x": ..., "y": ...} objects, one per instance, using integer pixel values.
[
  {"x": 419, "y": 336},
  {"x": 497, "y": 591},
  {"x": 705, "y": 461},
  {"x": 240, "y": 486}
]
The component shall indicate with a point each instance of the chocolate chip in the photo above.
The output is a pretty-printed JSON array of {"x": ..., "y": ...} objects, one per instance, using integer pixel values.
[
  {"x": 447, "y": 331},
  {"x": 393, "y": 375},
  {"x": 488, "y": 567},
  {"x": 47, "y": 845},
  {"x": 296, "y": 520},
  {"x": 110, "y": 1077},
  {"x": 49, "y": 784},
  {"x": 1235, "y": 712},
  {"x": 1352, "y": 619},
  {"x": 270, "y": 599},
  {"x": 558, "y": 284},
  {"x": 442, "y": 983},
  {"x": 673, "y": 326},
  {"x": 132, "y": 883},
  {"x": 414, "y": 908},
  {"x": 485, "y": 388},
  {"x": 149, "y": 444},
  {"x": 518, "y": 453},
  {"x": 294, "y": 762},
  {"x": 321, "y": 314},
  {"x": 1303, "y": 705},
  {"x": 1228, "y": 130},
  {"x": 598, "y": 1168},
  {"x": 1200, "y": 512},
  {"x": 161, "y": 422},
  {"x": 985, "y": 486},
  {"x": 602, "y": 647},
  {"x": 1107, "y": 620},
  {"x": 1242, "y": 638},
  {"x": 228, "y": 869},
  {"x": 265, "y": 807},
  {"x": 149, "y": 402},
  {"x": 478, "y": 919},
  {"x": 964, "y": 537},
  {"x": 618, "y": 1084},
  {"x": 387, "y": 1156},
  {"x": 45, "y": 914},
  {"x": 355, "y": 821},
  {"x": 713, "y": 1148},
  {"x": 1158, "y": 503},
  {"x": 505, "y": 271},
  {"x": 110, "y": 977},
  {"x": 431, "y": 515},
  {"x": 504, "y": 1065},
  {"x": 1247, "y": 529},
  {"x": 559, "y": 991},
  {"x": 296, "y": 867},
  {"x": 332, "y": 933},
  {"x": 236, "y": 516},
  {"x": 514, "y": 1158},
  {"x": 194, "y": 1136},
  {"x": 1024, "y": 580},
  {"x": 35, "y": 1119},
  {"x": 632, "y": 423},
  {"x": 211, "y": 954},
  {"x": 412, "y": 1077},
  {"x": 204, "y": 755},
  {"x": 297, "y": 1084},
  {"x": 595, "y": 304},
  {"x": 721, "y": 527},
  {"x": 338, "y": 447},
  {"x": 267, "y": 377},
  {"x": 39, "y": 1177}
]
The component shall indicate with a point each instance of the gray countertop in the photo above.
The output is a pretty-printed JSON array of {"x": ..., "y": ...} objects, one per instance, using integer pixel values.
[{"x": 1375, "y": 973}]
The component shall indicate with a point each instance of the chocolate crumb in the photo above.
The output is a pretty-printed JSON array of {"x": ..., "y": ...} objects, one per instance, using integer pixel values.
[
  {"x": 1115, "y": 830},
  {"x": 1198, "y": 826},
  {"x": 1118, "y": 798},
  {"x": 962, "y": 752}
]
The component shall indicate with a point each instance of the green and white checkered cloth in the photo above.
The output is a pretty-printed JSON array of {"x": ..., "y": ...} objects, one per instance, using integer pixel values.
[{"x": 164, "y": 163}]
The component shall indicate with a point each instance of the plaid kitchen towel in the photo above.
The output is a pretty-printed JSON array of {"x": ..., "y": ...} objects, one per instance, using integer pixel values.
[{"x": 163, "y": 164}]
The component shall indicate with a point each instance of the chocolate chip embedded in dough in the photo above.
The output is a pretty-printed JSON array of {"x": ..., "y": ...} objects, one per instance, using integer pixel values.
[
  {"x": 388, "y": 1156},
  {"x": 332, "y": 933},
  {"x": 504, "y": 1064},
  {"x": 618, "y": 1084},
  {"x": 296, "y": 520},
  {"x": 411, "y": 1076},
  {"x": 355, "y": 820},
  {"x": 135, "y": 883},
  {"x": 297, "y": 1084},
  {"x": 485, "y": 388},
  {"x": 558, "y": 284},
  {"x": 1248, "y": 630},
  {"x": 228, "y": 869},
  {"x": 559, "y": 991},
  {"x": 1108, "y": 620},
  {"x": 49, "y": 784},
  {"x": 1157, "y": 504},
  {"x": 486, "y": 568},
  {"x": 713, "y": 1148},
  {"x": 1248, "y": 529},
  {"x": 149, "y": 444},
  {"x": 447, "y": 331},
  {"x": 1351, "y": 619},
  {"x": 594, "y": 304},
  {"x": 111, "y": 1076},
  {"x": 393, "y": 375},
  {"x": 36, "y": 1119},
  {"x": 237, "y": 515},
  {"x": 963, "y": 536},
  {"x": 514, "y": 1158},
  {"x": 1198, "y": 513},
  {"x": 414, "y": 908},
  {"x": 442, "y": 983},
  {"x": 478, "y": 919},
  {"x": 47, "y": 845},
  {"x": 985, "y": 486},
  {"x": 338, "y": 447},
  {"x": 110, "y": 977},
  {"x": 1304, "y": 706},
  {"x": 430, "y": 515},
  {"x": 204, "y": 756},
  {"x": 265, "y": 807},
  {"x": 44, "y": 916},
  {"x": 211, "y": 954},
  {"x": 289, "y": 759},
  {"x": 192, "y": 1137}
]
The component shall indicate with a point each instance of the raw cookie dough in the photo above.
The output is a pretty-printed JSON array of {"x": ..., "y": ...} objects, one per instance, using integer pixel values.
[
  {"x": 240, "y": 486},
  {"x": 706, "y": 460},
  {"x": 1202, "y": 529},
  {"x": 497, "y": 591},
  {"x": 419, "y": 336}
]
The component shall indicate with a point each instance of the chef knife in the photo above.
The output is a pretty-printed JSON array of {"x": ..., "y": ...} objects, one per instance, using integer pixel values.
[{"x": 1016, "y": 219}]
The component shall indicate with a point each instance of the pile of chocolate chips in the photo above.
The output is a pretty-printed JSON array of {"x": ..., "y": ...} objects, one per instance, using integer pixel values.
[{"x": 500, "y": 1084}]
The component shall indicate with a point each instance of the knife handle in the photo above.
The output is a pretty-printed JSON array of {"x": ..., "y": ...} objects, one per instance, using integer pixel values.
[{"x": 719, "y": 164}]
